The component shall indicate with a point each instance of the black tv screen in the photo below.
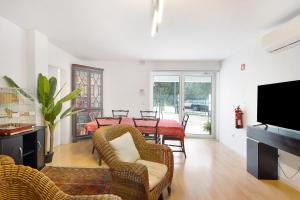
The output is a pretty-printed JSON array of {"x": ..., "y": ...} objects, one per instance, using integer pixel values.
[{"x": 279, "y": 104}]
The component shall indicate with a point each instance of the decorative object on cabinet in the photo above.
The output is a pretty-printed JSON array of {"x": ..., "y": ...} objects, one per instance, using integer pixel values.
[
  {"x": 52, "y": 108},
  {"x": 17, "y": 112},
  {"x": 12, "y": 84},
  {"x": 90, "y": 80}
]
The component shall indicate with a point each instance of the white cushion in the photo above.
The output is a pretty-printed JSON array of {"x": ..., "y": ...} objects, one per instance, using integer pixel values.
[
  {"x": 156, "y": 172},
  {"x": 125, "y": 148}
]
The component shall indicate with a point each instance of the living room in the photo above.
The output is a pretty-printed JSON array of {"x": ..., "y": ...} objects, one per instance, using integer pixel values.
[{"x": 146, "y": 53}]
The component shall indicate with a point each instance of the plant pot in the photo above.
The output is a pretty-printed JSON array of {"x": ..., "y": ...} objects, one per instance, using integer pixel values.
[{"x": 48, "y": 157}]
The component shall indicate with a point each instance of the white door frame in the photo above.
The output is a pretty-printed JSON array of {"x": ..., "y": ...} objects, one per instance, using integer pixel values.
[{"x": 181, "y": 75}]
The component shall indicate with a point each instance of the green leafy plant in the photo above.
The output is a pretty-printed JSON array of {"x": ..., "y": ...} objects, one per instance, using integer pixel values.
[
  {"x": 207, "y": 126},
  {"x": 52, "y": 108},
  {"x": 12, "y": 84}
]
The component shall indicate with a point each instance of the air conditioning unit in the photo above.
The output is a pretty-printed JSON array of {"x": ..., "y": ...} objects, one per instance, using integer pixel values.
[{"x": 287, "y": 35}]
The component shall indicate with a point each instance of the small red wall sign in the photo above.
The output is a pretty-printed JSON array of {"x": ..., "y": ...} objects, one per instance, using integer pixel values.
[{"x": 243, "y": 67}]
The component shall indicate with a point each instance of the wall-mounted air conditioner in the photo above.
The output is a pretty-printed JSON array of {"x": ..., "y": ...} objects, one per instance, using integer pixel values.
[{"x": 287, "y": 35}]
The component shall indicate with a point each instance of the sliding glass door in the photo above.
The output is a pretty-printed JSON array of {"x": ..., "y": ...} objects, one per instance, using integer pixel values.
[
  {"x": 166, "y": 96},
  {"x": 198, "y": 103},
  {"x": 177, "y": 93}
]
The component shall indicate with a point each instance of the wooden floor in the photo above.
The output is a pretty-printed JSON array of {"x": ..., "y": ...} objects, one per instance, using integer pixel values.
[{"x": 210, "y": 172}]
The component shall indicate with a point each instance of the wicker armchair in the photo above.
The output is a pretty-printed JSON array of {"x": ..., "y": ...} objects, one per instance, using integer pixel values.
[
  {"x": 21, "y": 182},
  {"x": 130, "y": 180}
]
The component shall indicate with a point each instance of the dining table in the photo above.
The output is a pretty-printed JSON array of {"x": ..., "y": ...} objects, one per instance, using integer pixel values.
[{"x": 166, "y": 127}]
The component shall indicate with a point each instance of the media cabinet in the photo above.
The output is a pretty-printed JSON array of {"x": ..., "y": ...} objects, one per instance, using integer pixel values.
[
  {"x": 27, "y": 148},
  {"x": 262, "y": 149}
]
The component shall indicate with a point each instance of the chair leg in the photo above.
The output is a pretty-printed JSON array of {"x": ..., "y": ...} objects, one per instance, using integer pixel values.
[
  {"x": 183, "y": 148},
  {"x": 161, "y": 197},
  {"x": 100, "y": 161},
  {"x": 169, "y": 190}
]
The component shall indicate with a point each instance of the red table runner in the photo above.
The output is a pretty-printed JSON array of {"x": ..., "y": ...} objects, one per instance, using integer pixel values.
[{"x": 165, "y": 127}]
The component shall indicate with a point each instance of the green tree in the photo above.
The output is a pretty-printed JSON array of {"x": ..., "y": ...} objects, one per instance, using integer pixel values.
[{"x": 196, "y": 91}]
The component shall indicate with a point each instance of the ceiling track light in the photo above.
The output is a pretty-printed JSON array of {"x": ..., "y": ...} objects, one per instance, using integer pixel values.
[{"x": 157, "y": 15}]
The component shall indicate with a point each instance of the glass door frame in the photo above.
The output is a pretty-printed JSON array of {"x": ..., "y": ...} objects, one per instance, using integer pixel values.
[{"x": 182, "y": 75}]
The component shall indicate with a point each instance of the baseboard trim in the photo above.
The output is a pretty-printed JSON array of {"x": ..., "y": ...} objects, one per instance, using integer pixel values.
[{"x": 286, "y": 181}]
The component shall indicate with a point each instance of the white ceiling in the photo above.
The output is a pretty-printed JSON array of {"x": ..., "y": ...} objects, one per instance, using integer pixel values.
[{"x": 120, "y": 29}]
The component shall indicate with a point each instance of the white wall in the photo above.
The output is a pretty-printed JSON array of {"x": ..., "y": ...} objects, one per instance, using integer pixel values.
[
  {"x": 123, "y": 81},
  {"x": 13, "y": 50},
  {"x": 240, "y": 88},
  {"x": 24, "y": 54},
  {"x": 62, "y": 61}
]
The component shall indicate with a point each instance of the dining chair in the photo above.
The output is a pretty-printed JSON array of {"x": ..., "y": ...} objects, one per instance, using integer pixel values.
[
  {"x": 95, "y": 114},
  {"x": 184, "y": 122},
  {"x": 120, "y": 113},
  {"x": 148, "y": 127},
  {"x": 106, "y": 121},
  {"x": 148, "y": 114}
]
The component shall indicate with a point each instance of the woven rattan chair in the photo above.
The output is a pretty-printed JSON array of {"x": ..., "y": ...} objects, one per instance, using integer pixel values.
[
  {"x": 21, "y": 182},
  {"x": 130, "y": 180},
  {"x": 106, "y": 121}
]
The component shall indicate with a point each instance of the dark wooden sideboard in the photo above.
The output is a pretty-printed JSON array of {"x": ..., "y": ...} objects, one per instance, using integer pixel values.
[
  {"x": 25, "y": 148},
  {"x": 262, "y": 149}
]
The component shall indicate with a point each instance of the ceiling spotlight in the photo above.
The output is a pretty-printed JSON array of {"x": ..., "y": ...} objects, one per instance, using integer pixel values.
[
  {"x": 157, "y": 15},
  {"x": 154, "y": 28},
  {"x": 160, "y": 10}
]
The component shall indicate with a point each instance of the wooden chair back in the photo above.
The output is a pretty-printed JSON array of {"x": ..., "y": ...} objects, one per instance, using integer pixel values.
[
  {"x": 108, "y": 121},
  {"x": 148, "y": 114},
  {"x": 95, "y": 114},
  {"x": 185, "y": 120},
  {"x": 148, "y": 127},
  {"x": 120, "y": 113}
]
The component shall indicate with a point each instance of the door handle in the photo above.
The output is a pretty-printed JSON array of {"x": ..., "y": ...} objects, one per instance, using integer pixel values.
[
  {"x": 21, "y": 152},
  {"x": 39, "y": 145}
]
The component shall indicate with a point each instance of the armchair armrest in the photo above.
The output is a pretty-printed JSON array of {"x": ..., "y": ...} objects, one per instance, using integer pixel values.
[
  {"x": 6, "y": 160},
  {"x": 161, "y": 154},
  {"x": 157, "y": 153},
  {"x": 132, "y": 172}
]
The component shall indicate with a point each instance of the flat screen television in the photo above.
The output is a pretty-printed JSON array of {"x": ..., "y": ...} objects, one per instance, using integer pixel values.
[{"x": 279, "y": 104}]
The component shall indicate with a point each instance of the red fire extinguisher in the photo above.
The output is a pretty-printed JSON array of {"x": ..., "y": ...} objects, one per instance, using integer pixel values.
[{"x": 238, "y": 118}]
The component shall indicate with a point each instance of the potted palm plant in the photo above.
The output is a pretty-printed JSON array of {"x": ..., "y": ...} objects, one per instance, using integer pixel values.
[
  {"x": 207, "y": 126},
  {"x": 52, "y": 108}
]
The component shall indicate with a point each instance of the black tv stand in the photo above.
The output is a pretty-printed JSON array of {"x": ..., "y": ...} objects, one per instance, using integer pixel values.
[{"x": 262, "y": 150}]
